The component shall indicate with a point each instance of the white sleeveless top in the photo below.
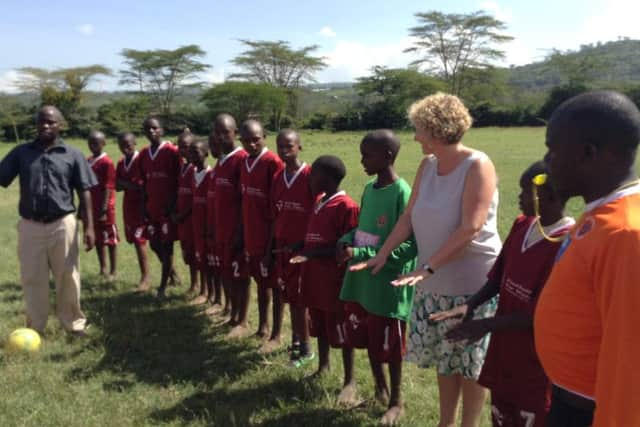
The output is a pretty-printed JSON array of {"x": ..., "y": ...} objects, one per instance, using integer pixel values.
[{"x": 436, "y": 214}]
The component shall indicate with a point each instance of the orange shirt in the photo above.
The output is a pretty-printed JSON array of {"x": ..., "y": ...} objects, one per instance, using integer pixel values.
[{"x": 587, "y": 322}]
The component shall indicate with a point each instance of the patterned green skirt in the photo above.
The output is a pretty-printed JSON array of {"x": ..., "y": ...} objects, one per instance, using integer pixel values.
[{"x": 427, "y": 345}]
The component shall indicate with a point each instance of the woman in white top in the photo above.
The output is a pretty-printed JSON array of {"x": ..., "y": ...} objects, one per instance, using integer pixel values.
[{"x": 452, "y": 213}]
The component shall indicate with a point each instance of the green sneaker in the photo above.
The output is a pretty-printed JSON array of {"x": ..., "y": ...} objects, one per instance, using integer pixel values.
[{"x": 302, "y": 360}]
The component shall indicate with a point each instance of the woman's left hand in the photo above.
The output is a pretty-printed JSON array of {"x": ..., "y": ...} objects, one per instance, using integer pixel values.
[{"x": 411, "y": 279}]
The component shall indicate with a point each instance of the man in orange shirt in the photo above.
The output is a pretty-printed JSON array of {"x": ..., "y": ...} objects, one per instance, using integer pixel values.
[{"x": 587, "y": 318}]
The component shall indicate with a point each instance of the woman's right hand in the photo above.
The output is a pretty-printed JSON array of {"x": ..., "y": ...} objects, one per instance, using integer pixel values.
[
  {"x": 375, "y": 264},
  {"x": 459, "y": 312}
]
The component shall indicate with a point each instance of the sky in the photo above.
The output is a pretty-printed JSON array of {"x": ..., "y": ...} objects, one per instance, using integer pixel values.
[{"x": 353, "y": 35}]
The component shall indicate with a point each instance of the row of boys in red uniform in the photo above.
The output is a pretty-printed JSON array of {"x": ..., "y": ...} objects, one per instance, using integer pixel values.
[{"x": 230, "y": 219}]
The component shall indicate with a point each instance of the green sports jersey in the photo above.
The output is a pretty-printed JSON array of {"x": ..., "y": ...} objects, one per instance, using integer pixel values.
[{"x": 380, "y": 209}]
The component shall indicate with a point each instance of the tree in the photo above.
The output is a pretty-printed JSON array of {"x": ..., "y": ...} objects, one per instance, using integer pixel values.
[
  {"x": 388, "y": 92},
  {"x": 245, "y": 100},
  {"x": 123, "y": 115},
  {"x": 452, "y": 43},
  {"x": 574, "y": 68},
  {"x": 163, "y": 74},
  {"x": 278, "y": 65},
  {"x": 64, "y": 88},
  {"x": 16, "y": 120}
]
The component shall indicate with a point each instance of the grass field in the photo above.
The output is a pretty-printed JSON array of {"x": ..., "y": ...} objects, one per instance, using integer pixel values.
[{"x": 146, "y": 363}]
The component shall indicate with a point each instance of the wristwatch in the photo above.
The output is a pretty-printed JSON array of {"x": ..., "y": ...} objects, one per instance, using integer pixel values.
[{"x": 428, "y": 269}]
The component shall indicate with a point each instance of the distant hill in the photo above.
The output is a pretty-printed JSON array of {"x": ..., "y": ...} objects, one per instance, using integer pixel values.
[{"x": 619, "y": 65}]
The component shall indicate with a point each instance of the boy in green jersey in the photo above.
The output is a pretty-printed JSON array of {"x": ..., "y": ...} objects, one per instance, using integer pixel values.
[{"x": 376, "y": 312}]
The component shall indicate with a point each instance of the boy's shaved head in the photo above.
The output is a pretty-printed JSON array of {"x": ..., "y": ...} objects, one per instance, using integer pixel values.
[
  {"x": 126, "y": 135},
  {"x": 225, "y": 120},
  {"x": 201, "y": 145},
  {"x": 606, "y": 119},
  {"x": 331, "y": 166},
  {"x": 251, "y": 125},
  {"x": 290, "y": 134},
  {"x": 97, "y": 135},
  {"x": 385, "y": 140},
  {"x": 149, "y": 119}
]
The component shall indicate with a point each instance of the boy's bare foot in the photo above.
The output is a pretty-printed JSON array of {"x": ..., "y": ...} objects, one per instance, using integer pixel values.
[
  {"x": 320, "y": 373},
  {"x": 348, "y": 396},
  {"x": 199, "y": 300},
  {"x": 263, "y": 331},
  {"x": 191, "y": 291},
  {"x": 162, "y": 293},
  {"x": 270, "y": 346},
  {"x": 143, "y": 286},
  {"x": 238, "y": 331},
  {"x": 382, "y": 396},
  {"x": 112, "y": 277},
  {"x": 174, "y": 279},
  {"x": 393, "y": 414},
  {"x": 213, "y": 310}
]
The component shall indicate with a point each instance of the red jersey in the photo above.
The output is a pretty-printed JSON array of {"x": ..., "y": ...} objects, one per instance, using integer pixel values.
[
  {"x": 511, "y": 368},
  {"x": 256, "y": 179},
  {"x": 105, "y": 172},
  {"x": 321, "y": 276},
  {"x": 160, "y": 170},
  {"x": 228, "y": 197},
  {"x": 210, "y": 183},
  {"x": 185, "y": 200},
  {"x": 291, "y": 205},
  {"x": 199, "y": 188},
  {"x": 132, "y": 200}
]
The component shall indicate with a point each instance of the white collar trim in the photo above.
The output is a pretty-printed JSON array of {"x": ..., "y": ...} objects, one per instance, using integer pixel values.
[
  {"x": 255, "y": 161},
  {"x": 321, "y": 205},
  {"x": 93, "y": 160},
  {"x": 288, "y": 183},
  {"x": 226, "y": 156},
  {"x": 198, "y": 176},
  {"x": 562, "y": 223},
  {"x": 634, "y": 189},
  {"x": 127, "y": 166},
  {"x": 186, "y": 170},
  {"x": 153, "y": 154}
]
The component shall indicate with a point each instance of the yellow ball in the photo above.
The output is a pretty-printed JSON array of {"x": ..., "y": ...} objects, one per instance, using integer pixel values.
[{"x": 23, "y": 340}]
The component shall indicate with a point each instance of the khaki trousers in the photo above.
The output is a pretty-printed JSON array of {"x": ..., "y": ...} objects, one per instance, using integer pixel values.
[{"x": 44, "y": 247}]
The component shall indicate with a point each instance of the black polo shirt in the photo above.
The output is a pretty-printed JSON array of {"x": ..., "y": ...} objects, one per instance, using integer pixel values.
[{"x": 47, "y": 178}]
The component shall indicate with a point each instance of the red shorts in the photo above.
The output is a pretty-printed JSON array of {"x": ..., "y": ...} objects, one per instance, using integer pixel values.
[
  {"x": 162, "y": 230},
  {"x": 289, "y": 279},
  {"x": 233, "y": 266},
  {"x": 383, "y": 337},
  {"x": 329, "y": 325},
  {"x": 212, "y": 262},
  {"x": 188, "y": 251},
  {"x": 106, "y": 234},
  {"x": 199, "y": 251},
  {"x": 135, "y": 233},
  {"x": 263, "y": 276},
  {"x": 507, "y": 413}
]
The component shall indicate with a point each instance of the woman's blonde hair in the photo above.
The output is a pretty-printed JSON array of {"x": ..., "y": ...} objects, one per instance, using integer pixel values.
[{"x": 443, "y": 114}]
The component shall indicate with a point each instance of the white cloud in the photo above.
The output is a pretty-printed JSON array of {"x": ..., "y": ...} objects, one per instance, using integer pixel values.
[
  {"x": 615, "y": 18},
  {"x": 350, "y": 59},
  {"x": 327, "y": 32},
  {"x": 214, "y": 76},
  {"x": 86, "y": 29},
  {"x": 8, "y": 80},
  {"x": 497, "y": 11}
]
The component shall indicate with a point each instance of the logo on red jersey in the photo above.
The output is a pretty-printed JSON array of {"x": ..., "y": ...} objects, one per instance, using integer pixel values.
[
  {"x": 585, "y": 228},
  {"x": 279, "y": 205}
]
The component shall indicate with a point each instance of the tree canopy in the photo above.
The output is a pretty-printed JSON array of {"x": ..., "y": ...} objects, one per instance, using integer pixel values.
[
  {"x": 163, "y": 74},
  {"x": 451, "y": 43}
]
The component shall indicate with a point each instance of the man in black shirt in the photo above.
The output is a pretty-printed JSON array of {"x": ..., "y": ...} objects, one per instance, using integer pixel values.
[{"x": 49, "y": 172}]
